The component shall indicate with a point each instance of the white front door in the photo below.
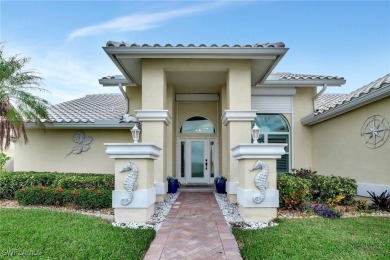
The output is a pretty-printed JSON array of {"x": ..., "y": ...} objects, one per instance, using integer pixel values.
[{"x": 197, "y": 160}]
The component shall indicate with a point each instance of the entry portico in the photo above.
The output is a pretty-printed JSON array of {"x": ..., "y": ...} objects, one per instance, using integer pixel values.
[{"x": 194, "y": 103}]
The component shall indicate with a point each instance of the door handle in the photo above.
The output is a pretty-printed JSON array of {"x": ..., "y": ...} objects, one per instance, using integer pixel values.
[{"x": 205, "y": 163}]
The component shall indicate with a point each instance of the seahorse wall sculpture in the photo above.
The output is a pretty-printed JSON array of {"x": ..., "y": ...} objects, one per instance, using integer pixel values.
[
  {"x": 260, "y": 180},
  {"x": 130, "y": 182}
]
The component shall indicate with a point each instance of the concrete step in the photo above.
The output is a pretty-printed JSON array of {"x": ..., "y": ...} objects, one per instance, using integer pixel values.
[{"x": 196, "y": 188}]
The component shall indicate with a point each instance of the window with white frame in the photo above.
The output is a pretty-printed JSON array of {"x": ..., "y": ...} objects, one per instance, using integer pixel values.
[{"x": 274, "y": 129}]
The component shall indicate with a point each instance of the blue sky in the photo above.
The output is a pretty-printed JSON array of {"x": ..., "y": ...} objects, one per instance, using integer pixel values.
[{"x": 65, "y": 38}]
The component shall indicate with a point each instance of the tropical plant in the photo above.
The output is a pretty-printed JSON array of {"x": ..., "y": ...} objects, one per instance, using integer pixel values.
[
  {"x": 325, "y": 211},
  {"x": 17, "y": 103},
  {"x": 3, "y": 160},
  {"x": 219, "y": 179},
  {"x": 170, "y": 178},
  {"x": 381, "y": 201}
]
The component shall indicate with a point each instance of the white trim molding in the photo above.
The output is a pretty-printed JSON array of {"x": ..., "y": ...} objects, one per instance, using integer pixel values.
[
  {"x": 238, "y": 116},
  {"x": 254, "y": 151},
  {"x": 245, "y": 198},
  {"x": 142, "y": 199},
  {"x": 161, "y": 188},
  {"x": 132, "y": 150},
  {"x": 154, "y": 115},
  {"x": 377, "y": 188},
  {"x": 231, "y": 187}
]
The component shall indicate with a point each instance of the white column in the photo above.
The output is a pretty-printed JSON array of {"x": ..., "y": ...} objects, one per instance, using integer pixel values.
[
  {"x": 257, "y": 193},
  {"x": 134, "y": 195}
]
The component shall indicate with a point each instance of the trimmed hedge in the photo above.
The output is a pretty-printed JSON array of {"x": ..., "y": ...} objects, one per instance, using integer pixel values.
[
  {"x": 83, "y": 198},
  {"x": 10, "y": 182},
  {"x": 84, "y": 181}
]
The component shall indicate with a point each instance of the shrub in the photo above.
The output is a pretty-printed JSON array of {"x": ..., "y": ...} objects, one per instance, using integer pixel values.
[
  {"x": 382, "y": 201},
  {"x": 84, "y": 181},
  {"x": 325, "y": 211},
  {"x": 56, "y": 196},
  {"x": 3, "y": 160},
  {"x": 333, "y": 190},
  {"x": 362, "y": 205},
  {"x": 304, "y": 173},
  {"x": 293, "y": 191},
  {"x": 13, "y": 181}
]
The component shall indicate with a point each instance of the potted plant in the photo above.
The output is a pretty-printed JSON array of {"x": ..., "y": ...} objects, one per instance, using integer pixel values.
[
  {"x": 220, "y": 184},
  {"x": 173, "y": 184}
]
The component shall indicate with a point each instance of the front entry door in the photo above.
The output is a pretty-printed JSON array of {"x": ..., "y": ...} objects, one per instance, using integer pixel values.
[
  {"x": 197, "y": 160},
  {"x": 199, "y": 166}
]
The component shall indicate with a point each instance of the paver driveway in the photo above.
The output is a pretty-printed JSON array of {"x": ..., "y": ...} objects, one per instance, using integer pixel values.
[{"x": 194, "y": 229}]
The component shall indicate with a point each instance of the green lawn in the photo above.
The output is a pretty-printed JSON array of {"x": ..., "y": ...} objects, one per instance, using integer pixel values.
[
  {"x": 50, "y": 234},
  {"x": 318, "y": 238}
]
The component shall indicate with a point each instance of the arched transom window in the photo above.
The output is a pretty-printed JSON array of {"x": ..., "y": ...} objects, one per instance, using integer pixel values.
[
  {"x": 197, "y": 125},
  {"x": 274, "y": 129}
]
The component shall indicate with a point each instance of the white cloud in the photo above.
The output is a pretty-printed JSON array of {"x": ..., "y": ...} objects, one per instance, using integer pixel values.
[
  {"x": 66, "y": 75},
  {"x": 140, "y": 21}
]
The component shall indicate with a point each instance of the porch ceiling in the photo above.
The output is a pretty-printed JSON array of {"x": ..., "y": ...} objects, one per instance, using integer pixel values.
[{"x": 128, "y": 59}]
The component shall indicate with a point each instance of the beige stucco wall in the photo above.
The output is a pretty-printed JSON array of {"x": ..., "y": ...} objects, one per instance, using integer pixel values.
[
  {"x": 135, "y": 99},
  {"x": 301, "y": 135},
  {"x": 339, "y": 150},
  {"x": 46, "y": 151}
]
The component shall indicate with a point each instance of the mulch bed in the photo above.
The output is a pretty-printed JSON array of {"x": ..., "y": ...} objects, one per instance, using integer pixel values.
[
  {"x": 347, "y": 211},
  {"x": 68, "y": 207}
]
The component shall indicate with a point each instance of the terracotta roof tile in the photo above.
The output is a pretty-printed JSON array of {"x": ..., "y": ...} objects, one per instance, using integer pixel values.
[
  {"x": 330, "y": 101},
  {"x": 293, "y": 76},
  {"x": 257, "y": 45},
  {"x": 88, "y": 109}
]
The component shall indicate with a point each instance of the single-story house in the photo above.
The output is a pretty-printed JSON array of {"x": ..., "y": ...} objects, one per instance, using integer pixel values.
[{"x": 197, "y": 102}]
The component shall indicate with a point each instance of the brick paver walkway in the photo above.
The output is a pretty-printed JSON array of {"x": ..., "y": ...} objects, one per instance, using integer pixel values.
[{"x": 194, "y": 229}]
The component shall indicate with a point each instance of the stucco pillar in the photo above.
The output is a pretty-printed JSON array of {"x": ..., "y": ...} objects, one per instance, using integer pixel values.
[
  {"x": 257, "y": 193},
  {"x": 155, "y": 118},
  {"x": 237, "y": 119},
  {"x": 134, "y": 195}
]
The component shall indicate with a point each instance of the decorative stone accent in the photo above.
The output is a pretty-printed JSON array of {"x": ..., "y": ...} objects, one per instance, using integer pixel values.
[
  {"x": 238, "y": 116},
  {"x": 260, "y": 180},
  {"x": 131, "y": 150},
  {"x": 154, "y": 115},
  {"x": 83, "y": 143},
  {"x": 253, "y": 151},
  {"x": 130, "y": 182}
]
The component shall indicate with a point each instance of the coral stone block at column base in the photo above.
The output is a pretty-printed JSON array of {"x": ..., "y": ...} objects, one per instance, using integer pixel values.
[
  {"x": 264, "y": 215},
  {"x": 127, "y": 215}
]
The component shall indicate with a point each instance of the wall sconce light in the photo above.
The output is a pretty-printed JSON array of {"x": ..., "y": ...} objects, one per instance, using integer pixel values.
[
  {"x": 255, "y": 133},
  {"x": 135, "y": 133}
]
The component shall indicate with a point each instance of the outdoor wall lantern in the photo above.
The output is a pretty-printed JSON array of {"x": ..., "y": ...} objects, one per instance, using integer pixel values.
[
  {"x": 255, "y": 133},
  {"x": 135, "y": 133}
]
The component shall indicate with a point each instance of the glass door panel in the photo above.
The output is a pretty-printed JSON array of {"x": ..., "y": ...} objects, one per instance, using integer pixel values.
[
  {"x": 198, "y": 166},
  {"x": 197, "y": 159}
]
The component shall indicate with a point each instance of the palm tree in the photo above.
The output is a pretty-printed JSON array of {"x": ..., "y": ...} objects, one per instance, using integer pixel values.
[{"x": 16, "y": 102}]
